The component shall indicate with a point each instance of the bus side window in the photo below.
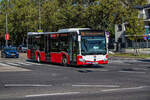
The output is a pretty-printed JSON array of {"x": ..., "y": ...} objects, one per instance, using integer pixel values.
[
  {"x": 30, "y": 42},
  {"x": 42, "y": 39},
  {"x": 54, "y": 45},
  {"x": 36, "y": 43},
  {"x": 64, "y": 42}
]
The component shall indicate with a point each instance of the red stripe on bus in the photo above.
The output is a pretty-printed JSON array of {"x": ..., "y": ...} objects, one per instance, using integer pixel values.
[
  {"x": 57, "y": 57},
  {"x": 42, "y": 56},
  {"x": 29, "y": 54}
]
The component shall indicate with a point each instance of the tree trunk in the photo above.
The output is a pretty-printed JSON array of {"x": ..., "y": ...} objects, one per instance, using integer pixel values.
[{"x": 136, "y": 48}]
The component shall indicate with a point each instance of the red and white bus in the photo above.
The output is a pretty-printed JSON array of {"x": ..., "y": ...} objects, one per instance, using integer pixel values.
[{"x": 74, "y": 46}]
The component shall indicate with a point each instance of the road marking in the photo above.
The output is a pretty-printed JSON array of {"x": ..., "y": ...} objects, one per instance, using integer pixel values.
[
  {"x": 52, "y": 94},
  {"x": 140, "y": 69},
  {"x": 117, "y": 61},
  {"x": 18, "y": 63},
  {"x": 35, "y": 63},
  {"x": 22, "y": 63},
  {"x": 9, "y": 68},
  {"x": 2, "y": 64},
  {"x": 12, "y": 64},
  {"x": 132, "y": 72},
  {"x": 113, "y": 86},
  {"x": 121, "y": 89},
  {"x": 26, "y": 85}
]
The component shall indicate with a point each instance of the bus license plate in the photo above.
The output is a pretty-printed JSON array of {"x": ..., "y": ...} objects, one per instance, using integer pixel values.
[
  {"x": 89, "y": 62},
  {"x": 95, "y": 62}
]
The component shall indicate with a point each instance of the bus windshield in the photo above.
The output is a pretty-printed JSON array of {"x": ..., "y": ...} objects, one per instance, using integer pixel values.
[{"x": 93, "y": 45}]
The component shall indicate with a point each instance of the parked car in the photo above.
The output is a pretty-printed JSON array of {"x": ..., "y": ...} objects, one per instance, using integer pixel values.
[
  {"x": 9, "y": 52},
  {"x": 22, "y": 48}
]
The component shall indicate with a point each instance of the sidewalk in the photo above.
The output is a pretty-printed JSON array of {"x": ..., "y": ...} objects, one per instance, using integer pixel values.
[
  {"x": 145, "y": 51},
  {"x": 141, "y": 51}
]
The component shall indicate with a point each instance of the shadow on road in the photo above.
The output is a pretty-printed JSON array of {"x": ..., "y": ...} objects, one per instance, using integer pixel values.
[
  {"x": 83, "y": 68},
  {"x": 89, "y": 68},
  {"x": 128, "y": 69},
  {"x": 145, "y": 60}
]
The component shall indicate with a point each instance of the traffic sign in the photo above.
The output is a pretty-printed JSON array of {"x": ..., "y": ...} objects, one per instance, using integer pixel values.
[{"x": 6, "y": 36}]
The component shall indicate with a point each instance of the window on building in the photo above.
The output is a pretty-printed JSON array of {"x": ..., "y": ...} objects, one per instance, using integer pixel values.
[{"x": 119, "y": 27}]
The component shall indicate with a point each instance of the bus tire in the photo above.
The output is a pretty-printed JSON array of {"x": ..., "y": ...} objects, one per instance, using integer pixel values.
[
  {"x": 64, "y": 61},
  {"x": 38, "y": 58}
]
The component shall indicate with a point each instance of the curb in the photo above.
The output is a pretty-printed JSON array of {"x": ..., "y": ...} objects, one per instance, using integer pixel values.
[{"x": 126, "y": 58}]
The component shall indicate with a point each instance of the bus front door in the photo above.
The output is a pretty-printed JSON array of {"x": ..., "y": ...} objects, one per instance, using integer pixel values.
[
  {"x": 33, "y": 53},
  {"x": 47, "y": 46},
  {"x": 73, "y": 48}
]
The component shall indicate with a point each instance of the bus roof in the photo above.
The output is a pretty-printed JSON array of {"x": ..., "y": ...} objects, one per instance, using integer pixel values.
[
  {"x": 72, "y": 29},
  {"x": 59, "y": 31}
]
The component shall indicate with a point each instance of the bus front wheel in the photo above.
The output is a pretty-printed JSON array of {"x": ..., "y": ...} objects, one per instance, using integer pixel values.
[
  {"x": 64, "y": 61},
  {"x": 38, "y": 59}
]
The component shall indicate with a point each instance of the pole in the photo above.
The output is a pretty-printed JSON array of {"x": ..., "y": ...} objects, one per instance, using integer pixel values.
[
  {"x": 147, "y": 43},
  {"x": 6, "y": 28},
  {"x": 39, "y": 14},
  {"x": 6, "y": 23}
]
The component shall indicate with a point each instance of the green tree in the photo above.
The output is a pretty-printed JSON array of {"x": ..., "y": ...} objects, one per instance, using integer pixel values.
[
  {"x": 49, "y": 14},
  {"x": 135, "y": 26},
  {"x": 22, "y": 19},
  {"x": 4, "y": 5},
  {"x": 104, "y": 14},
  {"x": 71, "y": 15},
  {"x": 23, "y": 15}
]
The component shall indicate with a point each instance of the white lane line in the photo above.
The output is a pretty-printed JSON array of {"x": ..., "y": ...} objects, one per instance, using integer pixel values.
[
  {"x": 140, "y": 69},
  {"x": 2, "y": 64},
  {"x": 21, "y": 63},
  {"x": 12, "y": 69},
  {"x": 121, "y": 89},
  {"x": 26, "y": 85},
  {"x": 132, "y": 72},
  {"x": 113, "y": 86},
  {"x": 12, "y": 64},
  {"x": 33, "y": 63},
  {"x": 52, "y": 94}
]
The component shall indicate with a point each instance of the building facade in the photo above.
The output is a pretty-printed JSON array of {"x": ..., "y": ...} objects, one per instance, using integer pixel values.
[{"x": 144, "y": 13}]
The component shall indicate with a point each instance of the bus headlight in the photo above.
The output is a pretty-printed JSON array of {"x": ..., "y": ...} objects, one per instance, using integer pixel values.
[{"x": 105, "y": 59}]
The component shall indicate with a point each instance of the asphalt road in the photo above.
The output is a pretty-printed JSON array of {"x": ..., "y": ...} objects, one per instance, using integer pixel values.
[{"x": 121, "y": 79}]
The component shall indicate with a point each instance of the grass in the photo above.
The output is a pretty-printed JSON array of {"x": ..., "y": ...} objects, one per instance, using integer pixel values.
[{"x": 129, "y": 55}]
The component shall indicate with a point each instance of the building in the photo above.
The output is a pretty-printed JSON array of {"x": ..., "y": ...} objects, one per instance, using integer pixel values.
[{"x": 144, "y": 13}]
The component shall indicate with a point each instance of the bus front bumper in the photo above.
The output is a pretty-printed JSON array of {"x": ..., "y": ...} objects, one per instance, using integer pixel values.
[{"x": 92, "y": 62}]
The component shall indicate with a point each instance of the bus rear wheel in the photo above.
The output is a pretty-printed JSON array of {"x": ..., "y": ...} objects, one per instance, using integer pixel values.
[
  {"x": 38, "y": 59},
  {"x": 64, "y": 61}
]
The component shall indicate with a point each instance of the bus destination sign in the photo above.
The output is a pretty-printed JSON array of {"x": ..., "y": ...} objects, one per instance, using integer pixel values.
[{"x": 92, "y": 33}]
